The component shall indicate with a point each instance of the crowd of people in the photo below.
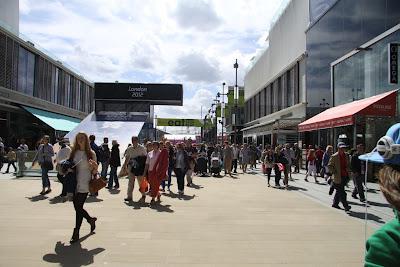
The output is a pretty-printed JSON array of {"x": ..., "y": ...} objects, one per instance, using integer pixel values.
[{"x": 152, "y": 164}]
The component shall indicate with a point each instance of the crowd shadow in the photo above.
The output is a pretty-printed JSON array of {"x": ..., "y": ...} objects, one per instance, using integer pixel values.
[
  {"x": 374, "y": 191},
  {"x": 370, "y": 217},
  {"x": 161, "y": 208},
  {"x": 296, "y": 188},
  {"x": 137, "y": 205},
  {"x": 93, "y": 200},
  {"x": 57, "y": 200},
  {"x": 196, "y": 186},
  {"x": 377, "y": 204},
  {"x": 178, "y": 196},
  {"x": 114, "y": 191},
  {"x": 37, "y": 198},
  {"x": 72, "y": 255}
]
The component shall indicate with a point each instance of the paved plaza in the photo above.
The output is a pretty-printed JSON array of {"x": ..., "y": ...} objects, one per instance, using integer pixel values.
[{"x": 220, "y": 222}]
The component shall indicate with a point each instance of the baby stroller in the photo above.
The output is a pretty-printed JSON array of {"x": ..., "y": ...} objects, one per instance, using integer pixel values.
[
  {"x": 202, "y": 166},
  {"x": 215, "y": 166}
]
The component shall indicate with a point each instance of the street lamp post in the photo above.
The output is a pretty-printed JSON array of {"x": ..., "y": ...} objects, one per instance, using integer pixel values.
[
  {"x": 236, "y": 97},
  {"x": 222, "y": 111}
]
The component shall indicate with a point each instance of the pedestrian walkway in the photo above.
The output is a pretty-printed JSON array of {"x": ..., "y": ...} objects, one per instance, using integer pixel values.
[
  {"x": 379, "y": 211},
  {"x": 219, "y": 222}
]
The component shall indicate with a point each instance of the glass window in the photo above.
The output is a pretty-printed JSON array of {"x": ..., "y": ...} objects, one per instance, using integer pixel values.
[
  {"x": 262, "y": 102},
  {"x": 346, "y": 26},
  {"x": 26, "y": 71},
  {"x": 280, "y": 93},
  {"x": 67, "y": 89},
  {"x": 364, "y": 74},
  {"x": 257, "y": 106}
]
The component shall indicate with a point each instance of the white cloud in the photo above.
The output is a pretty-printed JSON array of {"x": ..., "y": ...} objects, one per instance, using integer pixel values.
[
  {"x": 197, "y": 14},
  {"x": 189, "y": 42},
  {"x": 196, "y": 67}
]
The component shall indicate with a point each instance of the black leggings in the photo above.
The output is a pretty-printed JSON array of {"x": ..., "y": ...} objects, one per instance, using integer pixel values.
[
  {"x": 79, "y": 200},
  {"x": 268, "y": 172}
]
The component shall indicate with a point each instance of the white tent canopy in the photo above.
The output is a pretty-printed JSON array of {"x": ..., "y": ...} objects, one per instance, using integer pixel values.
[{"x": 122, "y": 131}]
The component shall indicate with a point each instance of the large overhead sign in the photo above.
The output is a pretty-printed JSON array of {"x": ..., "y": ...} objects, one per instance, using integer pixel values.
[
  {"x": 153, "y": 93},
  {"x": 179, "y": 122}
]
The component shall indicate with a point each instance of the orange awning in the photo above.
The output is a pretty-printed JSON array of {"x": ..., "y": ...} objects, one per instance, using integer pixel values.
[{"x": 379, "y": 105}]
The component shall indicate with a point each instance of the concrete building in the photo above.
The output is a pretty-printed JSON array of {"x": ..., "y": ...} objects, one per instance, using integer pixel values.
[
  {"x": 38, "y": 94},
  {"x": 321, "y": 54},
  {"x": 275, "y": 94}
]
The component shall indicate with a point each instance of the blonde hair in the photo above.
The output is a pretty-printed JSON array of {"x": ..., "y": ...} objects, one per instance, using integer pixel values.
[
  {"x": 87, "y": 149},
  {"x": 389, "y": 181}
]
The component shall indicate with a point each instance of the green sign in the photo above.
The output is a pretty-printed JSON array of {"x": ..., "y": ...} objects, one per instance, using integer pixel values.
[
  {"x": 180, "y": 122},
  {"x": 231, "y": 100}
]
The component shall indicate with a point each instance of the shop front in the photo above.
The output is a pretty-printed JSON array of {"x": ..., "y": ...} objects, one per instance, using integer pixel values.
[{"x": 360, "y": 121}]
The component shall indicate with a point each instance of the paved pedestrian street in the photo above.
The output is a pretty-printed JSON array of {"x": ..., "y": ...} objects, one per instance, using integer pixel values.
[{"x": 220, "y": 222}]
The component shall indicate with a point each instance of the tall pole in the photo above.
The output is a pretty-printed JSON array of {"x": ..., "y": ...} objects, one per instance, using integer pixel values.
[
  {"x": 222, "y": 113},
  {"x": 236, "y": 94}
]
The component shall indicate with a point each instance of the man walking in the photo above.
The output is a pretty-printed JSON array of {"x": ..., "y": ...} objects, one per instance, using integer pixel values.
[
  {"x": 339, "y": 167},
  {"x": 236, "y": 151},
  {"x": 297, "y": 158},
  {"x": 358, "y": 171},
  {"x": 227, "y": 153},
  {"x": 134, "y": 156},
  {"x": 105, "y": 155}
]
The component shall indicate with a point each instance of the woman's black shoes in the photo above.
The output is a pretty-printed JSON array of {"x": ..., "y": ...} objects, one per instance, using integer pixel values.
[
  {"x": 93, "y": 224},
  {"x": 75, "y": 236}
]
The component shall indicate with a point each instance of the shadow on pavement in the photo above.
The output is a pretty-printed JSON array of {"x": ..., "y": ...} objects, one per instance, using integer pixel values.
[
  {"x": 93, "y": 200},
  {"x": 377, "y": 204},
  {"x": 72, "y": 255},
  {"x": 57, "y": 200},
  {"x": 361, "y": 215},
  {"x": 296, "y": 188},
  {"x": 196, "y": 186},
  {"x": 161, "y": 208},
  {"x": 374, "y": 191},
  {"x": 114, "y": 191},
  {"x": 37, "y": 198},
  {"x": 356, "y": 203},
  {"x": 137, "y": 205},
  {"x": 182, "y": 197}
]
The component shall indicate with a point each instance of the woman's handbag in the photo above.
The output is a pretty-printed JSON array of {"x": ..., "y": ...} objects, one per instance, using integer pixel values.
[
  {"x": 96, "y": 183},
  {"x": 144, "y": 185},
  {"x": 48, "y": 165}
]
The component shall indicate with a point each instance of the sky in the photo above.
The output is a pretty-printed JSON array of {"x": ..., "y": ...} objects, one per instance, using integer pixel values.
[{"x": 192, "y": 42}]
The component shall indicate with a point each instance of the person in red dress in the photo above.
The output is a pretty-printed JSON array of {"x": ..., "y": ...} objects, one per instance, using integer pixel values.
[{"x": 156, "y": 165}]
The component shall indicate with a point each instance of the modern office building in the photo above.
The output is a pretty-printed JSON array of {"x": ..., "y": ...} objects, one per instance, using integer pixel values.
[
  {"x": 348, "y": 62},
  {"x": 38, "y": 94},
  {"x": 337, "y": 50}
]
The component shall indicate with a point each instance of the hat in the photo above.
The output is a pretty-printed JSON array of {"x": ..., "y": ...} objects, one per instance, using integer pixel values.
[
  {"x": 342, "y": 145},
  {"x": 387, "y": 150}
]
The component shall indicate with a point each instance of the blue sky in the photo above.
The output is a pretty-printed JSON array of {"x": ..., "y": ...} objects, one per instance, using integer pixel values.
[{"x": 193, "y": 42}]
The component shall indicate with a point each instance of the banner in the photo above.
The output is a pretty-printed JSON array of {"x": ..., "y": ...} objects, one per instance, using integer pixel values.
[
  {"x": 231, "y": 99},
  {"x": 175, "y": 122}
]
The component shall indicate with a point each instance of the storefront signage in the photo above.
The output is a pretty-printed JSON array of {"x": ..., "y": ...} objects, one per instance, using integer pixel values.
[
  {"x": 179, "y": 122},
  {"x": 153, "y": 93},
  {"x": 393, "y": 62}
]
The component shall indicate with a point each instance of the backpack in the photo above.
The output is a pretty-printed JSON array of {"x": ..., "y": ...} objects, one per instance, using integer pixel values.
[{"x": 104, "y": 153}]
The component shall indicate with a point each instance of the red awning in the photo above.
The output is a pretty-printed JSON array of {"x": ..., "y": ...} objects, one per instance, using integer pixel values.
[{"x": 379, "y": 105}]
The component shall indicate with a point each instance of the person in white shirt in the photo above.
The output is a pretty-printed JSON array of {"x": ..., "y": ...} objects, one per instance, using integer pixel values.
[
  {"x": 85, "y": 162},
  {"x": 132, "y": 152},
  {"x": 236, "y": 151},
  {"x": 63, "y": 154}
]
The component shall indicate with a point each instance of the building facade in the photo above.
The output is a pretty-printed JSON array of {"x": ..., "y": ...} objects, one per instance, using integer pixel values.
[
  {"x": 342, "y": 28},
  {"x": 328, "y": 72},
  {"x": 275, "y": 99},
  {"x": 38, "y": 94}
]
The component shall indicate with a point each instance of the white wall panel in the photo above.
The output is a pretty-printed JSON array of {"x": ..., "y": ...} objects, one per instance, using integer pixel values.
[{"x": 287, "y": 42}]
